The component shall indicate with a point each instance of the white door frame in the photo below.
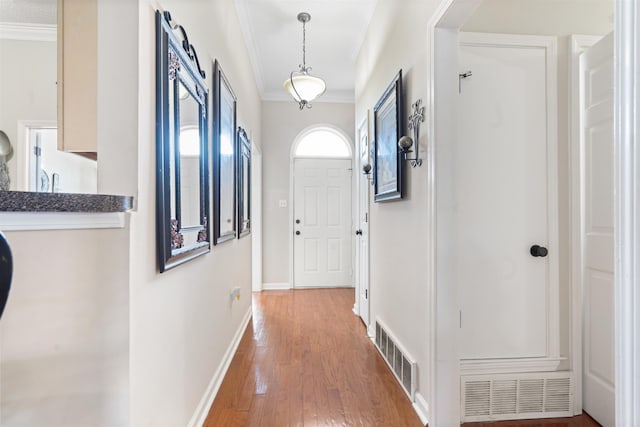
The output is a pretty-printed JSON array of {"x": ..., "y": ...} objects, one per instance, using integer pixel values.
[
  {"x": 256, "y": 218},
  {"x": 358, "y": 182},
  {"x": 442, "y": 73},
  {"x": 292, "y": 158},
  {"x": 23, "y": 149},
  {"x": 626, "y": 169}
]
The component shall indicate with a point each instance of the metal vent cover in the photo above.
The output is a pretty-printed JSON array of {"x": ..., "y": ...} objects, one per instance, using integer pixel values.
[
  {"x": 516, "y": 396},
  {"x": 403, "y": 366}
]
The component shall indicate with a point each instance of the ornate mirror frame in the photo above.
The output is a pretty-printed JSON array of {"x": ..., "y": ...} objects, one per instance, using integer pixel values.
[
  {"x": 224, "y": 157},
  {"x": 244, "y": 183},
  {"x": 182, "y": 208}
]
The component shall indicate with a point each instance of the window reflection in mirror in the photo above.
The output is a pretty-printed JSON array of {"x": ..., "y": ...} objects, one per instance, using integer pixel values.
[
  {"x": 227, "y": 172},
  {"x": 189, "y": 152},
  {"x": 28, "y": 105},
  {"x": 244, "y": 183}
]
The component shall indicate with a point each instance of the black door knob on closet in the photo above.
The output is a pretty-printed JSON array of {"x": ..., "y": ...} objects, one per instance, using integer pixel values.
[
  {"x": 538, "y": 251},
  {"x": 298, "y": 233}
]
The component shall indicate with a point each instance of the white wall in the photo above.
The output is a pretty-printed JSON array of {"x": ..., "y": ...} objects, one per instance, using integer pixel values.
[
  {"x": 27, "y": 88},
  {"x": 281, "y": 123},
  {"x": 542, "y": 17},
  {"x": 156, "y": 339},
  {"x": 65, "y": 331},
  {"x": 182, "y": 321},
  {"x": 399, "y": 295},
  {"x": 397, "y": 39}
]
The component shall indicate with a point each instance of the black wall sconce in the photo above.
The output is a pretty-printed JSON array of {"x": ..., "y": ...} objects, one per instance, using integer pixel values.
[{"x": 406, "y": 142}]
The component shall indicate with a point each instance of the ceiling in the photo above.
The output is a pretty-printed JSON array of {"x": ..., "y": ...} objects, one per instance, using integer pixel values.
[
  {"x": 28, "y": 11},
  {"x": 273, "y": 36}
]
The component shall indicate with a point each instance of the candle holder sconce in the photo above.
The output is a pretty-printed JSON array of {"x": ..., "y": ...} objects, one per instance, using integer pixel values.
[{"x": 406, "y": 142}]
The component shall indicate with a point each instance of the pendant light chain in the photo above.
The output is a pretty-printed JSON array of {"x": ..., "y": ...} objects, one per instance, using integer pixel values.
[
  {"x": 304, "y": 46},
  {"x": 301, "y": 85}
]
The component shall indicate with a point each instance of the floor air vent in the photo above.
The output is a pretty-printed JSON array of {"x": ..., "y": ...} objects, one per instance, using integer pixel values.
[
  {"x": 400, "y": 363},
  {"x": 516, "y": 396}
]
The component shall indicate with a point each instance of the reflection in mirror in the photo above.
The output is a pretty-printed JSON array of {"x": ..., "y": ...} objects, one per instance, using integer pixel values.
[
  {"x": 224, "y": 133},
  {"x": 181, "y": 148},
  {"x": 189, "y": 159},
  {"x": 244, "y": 183}
]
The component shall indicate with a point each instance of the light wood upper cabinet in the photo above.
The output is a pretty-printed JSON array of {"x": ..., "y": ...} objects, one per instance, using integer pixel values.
[{"x": 77, "y": 75}]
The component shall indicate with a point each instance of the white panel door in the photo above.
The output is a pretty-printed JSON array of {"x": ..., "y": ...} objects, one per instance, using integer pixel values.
[
  {"x": 363, "y": 223},
  {"x": 596, "y": 66},
  {"x": 503, "y": 202},
  {"x": 322, "y": 223}
]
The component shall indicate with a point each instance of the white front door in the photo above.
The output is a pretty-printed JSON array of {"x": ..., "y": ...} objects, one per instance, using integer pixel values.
[
  {"x": 598, "y": 272},
  {"x": 363, "y": 223},
  {"x": 505, "y": 200},
  {"x": 322, "y": 223}
]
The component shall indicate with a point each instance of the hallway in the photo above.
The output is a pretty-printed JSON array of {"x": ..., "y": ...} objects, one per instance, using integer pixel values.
[{"x": 305, "y": 359}]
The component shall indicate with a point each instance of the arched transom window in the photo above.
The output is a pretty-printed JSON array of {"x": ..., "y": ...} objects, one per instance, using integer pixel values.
[{"x": 323, "y": 142}]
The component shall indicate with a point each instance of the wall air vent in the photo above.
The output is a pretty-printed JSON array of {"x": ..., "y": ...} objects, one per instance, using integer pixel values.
[
  {"x": 516, "y": 396},
  {"x": 402, "y": 365}
]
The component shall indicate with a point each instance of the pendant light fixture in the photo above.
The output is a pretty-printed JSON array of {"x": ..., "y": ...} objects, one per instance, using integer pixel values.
[{"x": 302, "y": 86}]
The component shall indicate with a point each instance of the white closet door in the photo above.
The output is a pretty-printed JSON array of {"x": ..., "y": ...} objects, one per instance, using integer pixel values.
[
  {"x": 505, "y": 201},
  {"x": 598, "y": 279}
]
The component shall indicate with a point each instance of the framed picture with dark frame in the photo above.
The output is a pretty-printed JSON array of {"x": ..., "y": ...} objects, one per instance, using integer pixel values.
[
  {"x": 244, "y": 183},
  {"x": 387, "y": 158},
  {"x": 224, "y": 157}
]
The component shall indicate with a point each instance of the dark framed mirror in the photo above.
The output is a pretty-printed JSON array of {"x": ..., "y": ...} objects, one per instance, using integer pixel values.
[
  {"x": 244, "y": 183},
  {"x": 182, "y": 165},
  {"x": 388, "y": 169},
  {"x": 224, "y": 157}
]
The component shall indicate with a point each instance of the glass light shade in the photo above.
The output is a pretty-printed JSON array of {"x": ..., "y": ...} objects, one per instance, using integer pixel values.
[{"x": 307, "y": 87}]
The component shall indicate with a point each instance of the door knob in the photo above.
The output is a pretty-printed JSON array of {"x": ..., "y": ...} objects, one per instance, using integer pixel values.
[
  {"x": 358, "y": 232},
  {"x": 538, "y": 251},
  {"x": 297, "y": 232}
]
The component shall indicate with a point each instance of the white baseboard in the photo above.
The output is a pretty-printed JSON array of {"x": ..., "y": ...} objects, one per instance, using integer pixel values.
[
  {"x": 355, "y": 310},
  {"x": 199, "y": 417},
  {"x": 421, "y": 407},
  {"x": 371, "y": 331},
  {"x": 276, "y": 286}
]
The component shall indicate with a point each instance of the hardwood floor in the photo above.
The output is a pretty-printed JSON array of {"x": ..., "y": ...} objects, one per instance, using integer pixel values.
[
  {"x": 580, "y": 421},
  {"x": 305, "y": 360}
]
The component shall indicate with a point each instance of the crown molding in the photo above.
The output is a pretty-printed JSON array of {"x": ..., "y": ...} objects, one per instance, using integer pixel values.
[{"x": 28, "y": 32}]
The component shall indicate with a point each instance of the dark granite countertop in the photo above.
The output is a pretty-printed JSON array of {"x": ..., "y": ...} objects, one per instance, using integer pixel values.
[{"x": 25, "y": 201}]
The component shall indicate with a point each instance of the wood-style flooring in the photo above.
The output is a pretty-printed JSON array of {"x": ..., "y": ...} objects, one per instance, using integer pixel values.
[
  {"x": 580, "y": 421},
  {"x": 305, "y": 360}
]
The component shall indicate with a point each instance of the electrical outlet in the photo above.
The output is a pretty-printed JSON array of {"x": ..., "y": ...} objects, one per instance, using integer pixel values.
[{"x": 235, "y": 294}]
